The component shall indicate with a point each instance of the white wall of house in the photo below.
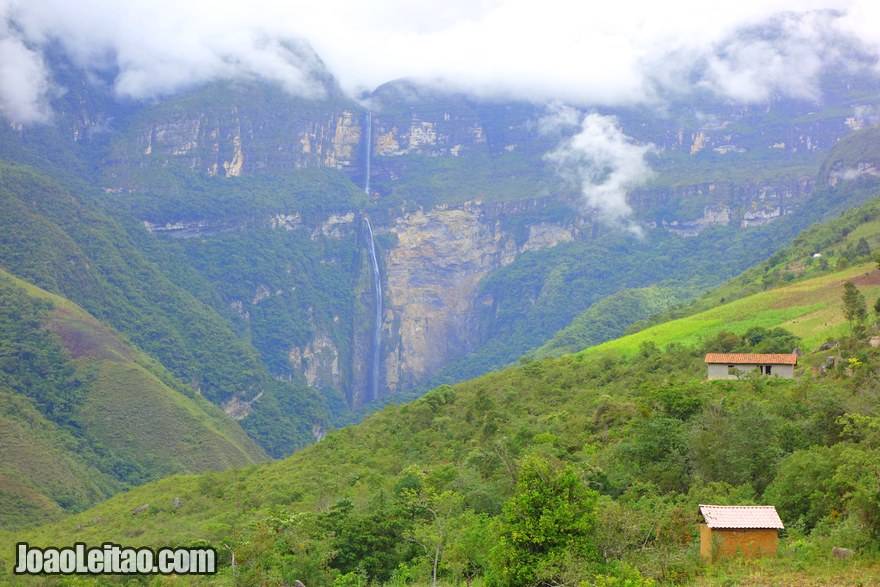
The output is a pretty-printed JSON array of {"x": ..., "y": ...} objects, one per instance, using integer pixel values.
[{"x": 721, "y": 371}]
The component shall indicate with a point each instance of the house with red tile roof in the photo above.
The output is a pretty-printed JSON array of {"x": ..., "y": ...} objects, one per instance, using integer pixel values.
[{"x": 734, "y": 365}]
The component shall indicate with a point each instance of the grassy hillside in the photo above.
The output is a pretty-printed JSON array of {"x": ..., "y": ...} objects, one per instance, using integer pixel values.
[
  {"x": 810, "y": 309},
  {"x": 850, "y": 238},
  {"x": 84, "y": 414},
  {"x": 60, "y": 242},
  {"x": 608, "y": 319},
  {"x": 643, "y": 433}
]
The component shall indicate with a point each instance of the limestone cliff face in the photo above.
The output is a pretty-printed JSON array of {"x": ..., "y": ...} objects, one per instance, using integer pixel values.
[
  {"x": 444, "y": 134},
  {"x": 248, "y": 136},
  {"x": 433, "y": 276},
  {"x": 724, "y": 203},
  {"x": 862, "y": 169},
  {"x": 318, "y": 361},
  {"x": 235, "y": 130},
  {"x": 234, "y": 142}
]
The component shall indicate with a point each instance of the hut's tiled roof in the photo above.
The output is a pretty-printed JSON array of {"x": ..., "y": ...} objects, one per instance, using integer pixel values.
[
  {"x": 741, "y": 516},
  {"x": 752, "y": 358}
]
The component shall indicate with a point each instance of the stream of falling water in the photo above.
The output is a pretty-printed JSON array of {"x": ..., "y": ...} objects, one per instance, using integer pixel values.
[
  {"x": 377, "y": 317},
  {"x": 369, "y": 131}
]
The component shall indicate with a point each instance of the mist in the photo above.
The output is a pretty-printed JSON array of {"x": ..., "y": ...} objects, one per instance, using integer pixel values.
[
  {"x": 621, "y": 53},
  {"x": 595, "y": 157}
]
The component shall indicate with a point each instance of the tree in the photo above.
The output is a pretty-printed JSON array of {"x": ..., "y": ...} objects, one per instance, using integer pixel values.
[
  {"x": 435, "y": 513},
  {"x": 862, "y": 248},
  {"x": 758, "y": 339},
  {"x": 369, "y": 542},
  {"x": 470, "y": 545},
  {"x": 724, "y": 342},
  {"x": 854, "y": 307},
  {"x": 549, "y": 522}
]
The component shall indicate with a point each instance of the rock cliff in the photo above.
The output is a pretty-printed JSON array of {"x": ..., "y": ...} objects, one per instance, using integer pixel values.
[
  {"x": 435, "y": 250},
  {"x": 233, "y": 140},
  {"x": 433, "y": 277}
]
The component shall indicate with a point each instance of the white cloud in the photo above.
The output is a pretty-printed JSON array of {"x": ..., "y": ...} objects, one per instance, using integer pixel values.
[
  {"x": 600, "y": 160},
  {"x": 786, "y": 57},
  {"x": 616, "y": 53},
  {"x": 24, "y": 84}
]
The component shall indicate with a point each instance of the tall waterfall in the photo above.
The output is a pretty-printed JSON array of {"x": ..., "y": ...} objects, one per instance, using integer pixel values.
[
  {"x": 369, "y": 141},
  {"x": 377, "y": 317}
]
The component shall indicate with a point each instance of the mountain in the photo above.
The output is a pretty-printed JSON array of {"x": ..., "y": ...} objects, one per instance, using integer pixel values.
[
  {"x": 62, "y": 243},
  {"x": 85, "y": 414},
  {"x": 223, "y": 230},
  {"x": 468, "y": 212},
  {"x": 846, "y": 178},
  {"x": 635, "y": 418},
  {"x": 194, "y": 283}
]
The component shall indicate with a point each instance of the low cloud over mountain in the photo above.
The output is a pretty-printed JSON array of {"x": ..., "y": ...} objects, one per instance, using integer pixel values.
[{"x": 554, "y": 50}]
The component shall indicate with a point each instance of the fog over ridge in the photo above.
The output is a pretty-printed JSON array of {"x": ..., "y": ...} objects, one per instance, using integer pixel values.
[{"x": 617, "y": 54}]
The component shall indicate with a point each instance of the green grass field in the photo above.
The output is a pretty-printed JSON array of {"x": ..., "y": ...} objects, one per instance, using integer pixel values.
[{"x": 811, "y": 309}]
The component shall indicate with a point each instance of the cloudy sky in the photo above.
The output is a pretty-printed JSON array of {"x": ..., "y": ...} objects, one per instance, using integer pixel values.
[{"x": 588, "y": 52}]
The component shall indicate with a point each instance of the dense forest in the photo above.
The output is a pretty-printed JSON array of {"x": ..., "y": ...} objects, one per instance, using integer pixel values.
[{"x": 583, "y": 468}]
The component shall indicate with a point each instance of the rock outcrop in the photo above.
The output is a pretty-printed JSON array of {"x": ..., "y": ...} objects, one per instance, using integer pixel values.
[
  {"x": 433, "y": 276},
  {"x": 318, "y": 361}
]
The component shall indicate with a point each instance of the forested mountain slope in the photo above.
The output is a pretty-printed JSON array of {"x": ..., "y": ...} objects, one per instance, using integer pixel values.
[
  {"x": 846, "y": 203},
  {"x": 254, "y": 202},
  {"x": 85, "y": 414},
  {"x": 60, "y": 242},
  {"x": 644, "y": 435}
]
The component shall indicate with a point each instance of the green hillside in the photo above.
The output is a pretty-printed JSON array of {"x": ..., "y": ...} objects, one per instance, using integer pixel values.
[
  {"x": 810, "y": 309},
  {"x": 635, "y": 434},
  {"x": 579, "y": 470},
  {"x": 850, "y": 238},
  {"x": 84, "y": 414},
  {"x": 609, "y": 318},
  {"x": 59, "y": 241}
]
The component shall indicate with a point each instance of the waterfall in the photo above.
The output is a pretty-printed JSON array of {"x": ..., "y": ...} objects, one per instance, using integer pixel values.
[
  {"x": 377, "y": 317},
  {"x": 369, "y": 133}
]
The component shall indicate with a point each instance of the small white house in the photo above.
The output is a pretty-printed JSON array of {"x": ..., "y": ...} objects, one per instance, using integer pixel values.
[{"x": 734, "y": 365}]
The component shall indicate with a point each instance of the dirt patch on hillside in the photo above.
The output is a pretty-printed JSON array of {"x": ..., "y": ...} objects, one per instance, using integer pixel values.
[
  {"x": 870, "y": 278},
  {"x": 84, "y": 337}
]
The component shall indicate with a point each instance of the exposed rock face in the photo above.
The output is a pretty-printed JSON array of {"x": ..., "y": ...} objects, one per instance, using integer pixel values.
[
  {"x": 233, "y": 140},
  {"x": 336, "y": 226},
  {"x": 432, "y": 284},
  {"x": 759, "y": 217},
  {"x": 238, "y": 408},
  {"x": 862, "y": 169},
  {"x": 447, "y": 134},
  {"x": 710, "y": 217},
  {"x": 726, "y": 203},
  {"x": 545, "y": 235},
  {"x": 318, "y": 361},
  {"x": 189, "y": 229},
  {"x": 286, "y": 221}
]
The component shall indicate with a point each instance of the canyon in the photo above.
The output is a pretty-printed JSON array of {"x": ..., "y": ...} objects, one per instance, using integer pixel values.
[{"x": 267, "y": 197}]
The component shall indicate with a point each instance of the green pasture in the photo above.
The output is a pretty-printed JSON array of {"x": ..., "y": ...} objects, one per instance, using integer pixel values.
[{"x": 811, "y": 309}]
